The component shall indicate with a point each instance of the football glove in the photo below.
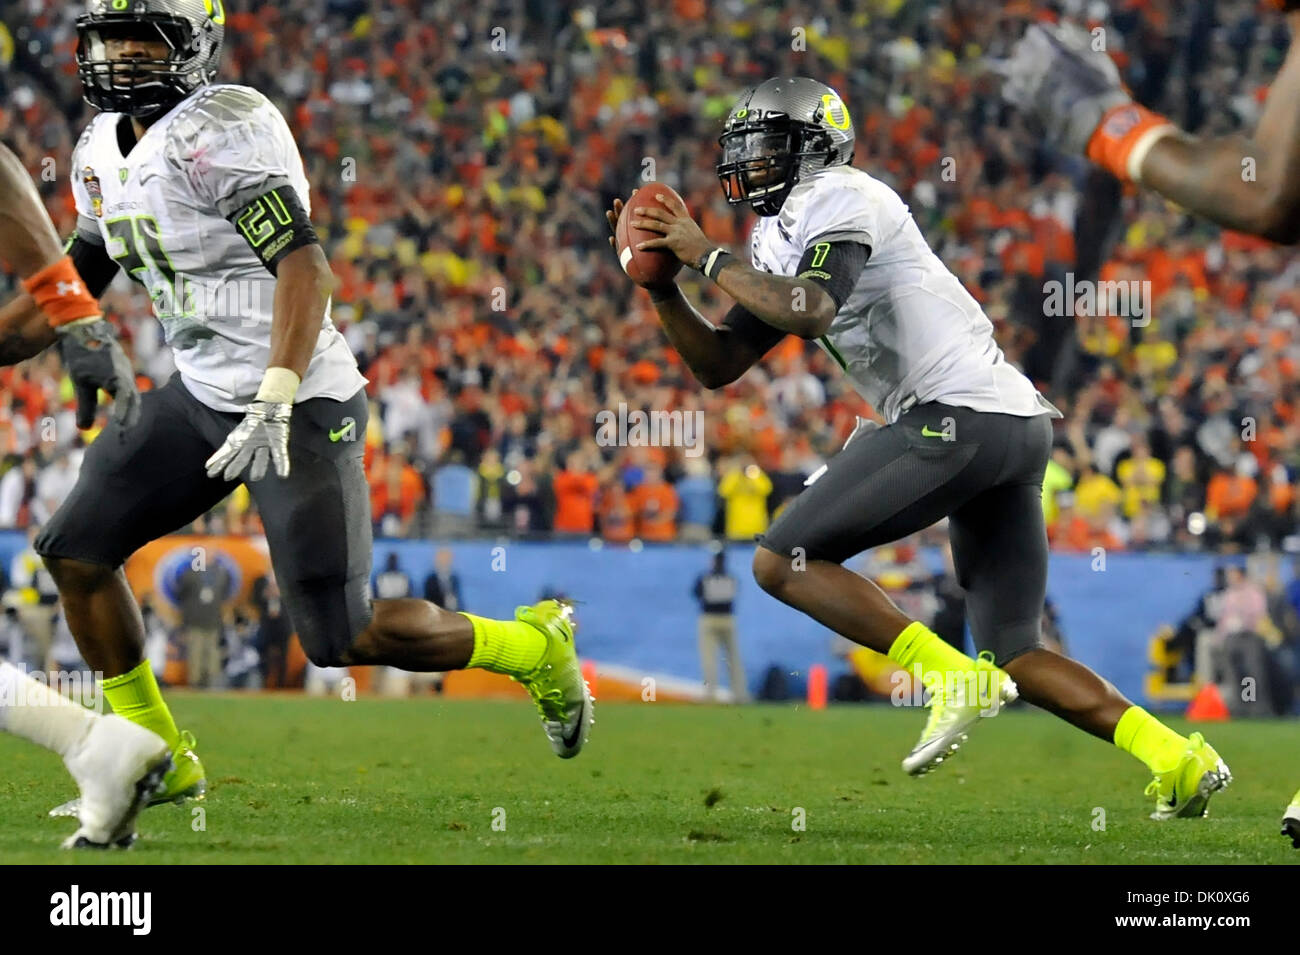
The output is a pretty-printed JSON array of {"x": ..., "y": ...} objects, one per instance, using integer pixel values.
[
  {"x": 262, "y": 436},
  {"x": 94, "y": 360},
  {"x": 1074, "y": 95}
]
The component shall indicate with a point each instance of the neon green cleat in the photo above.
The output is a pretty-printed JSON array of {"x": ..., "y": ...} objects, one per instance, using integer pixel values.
[
  {"x": 186, "y": 780},
  {"x": 556, "y": 686},
  {"x": 1184, "y": 792},
  {"x": 954, "y": 711},
  {"x": 1291, "y": 821}
]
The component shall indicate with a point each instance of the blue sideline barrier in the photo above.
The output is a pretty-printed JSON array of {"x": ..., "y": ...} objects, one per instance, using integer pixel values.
[{"x": 637, "y": 610}]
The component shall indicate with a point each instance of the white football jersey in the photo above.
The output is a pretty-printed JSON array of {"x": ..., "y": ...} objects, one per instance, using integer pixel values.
[
  {"x": 161, "y": 212},
  {"x": 909, "y": 332}
]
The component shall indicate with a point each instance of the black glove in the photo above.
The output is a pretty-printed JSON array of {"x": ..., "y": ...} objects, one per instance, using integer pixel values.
[{"x": 95, "y": 360}]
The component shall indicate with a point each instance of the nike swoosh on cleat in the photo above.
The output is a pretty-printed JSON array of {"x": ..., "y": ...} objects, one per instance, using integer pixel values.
[{"x": 572, "y": 740}]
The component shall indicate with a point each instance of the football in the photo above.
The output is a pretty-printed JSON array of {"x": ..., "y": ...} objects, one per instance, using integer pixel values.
[{"x": 647, "y": 266}]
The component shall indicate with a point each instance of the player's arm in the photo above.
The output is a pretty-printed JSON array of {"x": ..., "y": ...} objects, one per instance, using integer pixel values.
[
  {"x": 806, "y": 304},
  {"x": 716, "y": 354},
  {"x": 28, "y": 243},
  {"x": 304, "y": 284},
  {"x": 59, "y": 300},
  {"x": 24, "y": 330},
  {"x": 796, "y": 305},
  {"x": 274, "y": 222},
  {"x": 719, "y": 355},
  {"x": 1245, "y": 182},
  {"x": 1209, "y": 176}
]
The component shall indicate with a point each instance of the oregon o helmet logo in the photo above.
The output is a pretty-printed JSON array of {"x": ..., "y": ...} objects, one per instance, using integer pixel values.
[{"x": 832, "y": 104}]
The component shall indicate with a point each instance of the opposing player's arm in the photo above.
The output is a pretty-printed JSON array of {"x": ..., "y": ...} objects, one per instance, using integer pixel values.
[
  {"x": 28, "y": 242},
  {"x": 1074, "y": 94},
  {"x": 24, "y": 330},
  {"x": 61, "y": 285},
  {"x": 1251, "y": 183}
]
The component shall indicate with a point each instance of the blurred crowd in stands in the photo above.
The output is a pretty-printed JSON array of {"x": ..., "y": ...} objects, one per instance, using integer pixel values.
[{"x": 461, "y": 157}]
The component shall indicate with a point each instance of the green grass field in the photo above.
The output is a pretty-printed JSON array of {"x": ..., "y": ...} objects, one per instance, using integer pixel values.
[{"x": 322, "y": 781}]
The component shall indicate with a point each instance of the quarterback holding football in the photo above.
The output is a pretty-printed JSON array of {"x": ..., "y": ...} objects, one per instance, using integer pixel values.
[{"x": 837, "y": 258}]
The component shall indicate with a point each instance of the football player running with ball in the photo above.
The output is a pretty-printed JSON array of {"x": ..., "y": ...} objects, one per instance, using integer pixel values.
[
  {"x": 197, "y": 191},
  {"x": 117, "y": 765},
  {"x": 837, "y": 258},
  {"x": 1071, "y": 90}
]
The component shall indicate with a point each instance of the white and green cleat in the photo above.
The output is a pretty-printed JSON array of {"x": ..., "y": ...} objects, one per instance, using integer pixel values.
[
  {"x": 955, "y": 709},
  {"x": 1291, "y": 821},
  {"x": 184, "y": 779},
  {"x": 557, "y": 687},
  {"x": 118, "y": 767},
  {"x": 1184, "y": 792}
]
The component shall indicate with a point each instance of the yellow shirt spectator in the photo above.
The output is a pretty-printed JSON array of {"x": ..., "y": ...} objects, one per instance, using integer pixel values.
[
  {"x": 745, "y": 493},
  {"x": 1141, "y": 480},
  {"x": 1094, "y": 492}
]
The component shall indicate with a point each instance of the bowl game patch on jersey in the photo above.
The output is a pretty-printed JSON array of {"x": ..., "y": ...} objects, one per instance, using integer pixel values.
[{"x": 91, "y": 184}]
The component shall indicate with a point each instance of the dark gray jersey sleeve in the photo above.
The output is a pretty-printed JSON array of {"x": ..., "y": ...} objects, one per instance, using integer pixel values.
[
  {"x": 96, "y": 268},
  {"x": 835, "y": 266}
]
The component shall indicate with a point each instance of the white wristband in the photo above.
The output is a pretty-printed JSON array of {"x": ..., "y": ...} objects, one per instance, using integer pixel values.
[
  {"x": 1138, "y": 154},
  {"x": 279, "y": 385}
]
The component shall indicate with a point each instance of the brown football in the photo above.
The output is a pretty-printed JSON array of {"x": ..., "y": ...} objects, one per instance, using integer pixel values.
[{"x": 645, "y": 266}]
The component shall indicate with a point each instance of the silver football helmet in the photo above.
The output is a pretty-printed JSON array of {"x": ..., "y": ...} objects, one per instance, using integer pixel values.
[
  {"x": 193, "y": 31},
  {"x": 777, "y": 133}
]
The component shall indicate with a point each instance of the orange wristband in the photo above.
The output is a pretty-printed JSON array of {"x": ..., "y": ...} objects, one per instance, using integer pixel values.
[
  {"x": 1124, "y": 137},
  {"x": 60, "y": 293}
]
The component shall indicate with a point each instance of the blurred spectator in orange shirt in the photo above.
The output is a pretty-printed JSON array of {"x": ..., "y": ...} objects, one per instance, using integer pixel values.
[
  {"x": 575, "y": 496},
  {"x": 617, "y": 522},
  {"x": 395, "y": 491},
  {"x": 1075, "y": 532},
  {"x": 1230, "y": 494},
  {"x": 654, "y": 502}
]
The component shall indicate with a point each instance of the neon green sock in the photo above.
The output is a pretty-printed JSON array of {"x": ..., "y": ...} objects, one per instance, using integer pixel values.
[
  {"x": 919, "y": 644},
  {"x": 135, "y": 696},
  {"x": 1142, "y": 735},
  {"x": 505, "y": 646}
]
